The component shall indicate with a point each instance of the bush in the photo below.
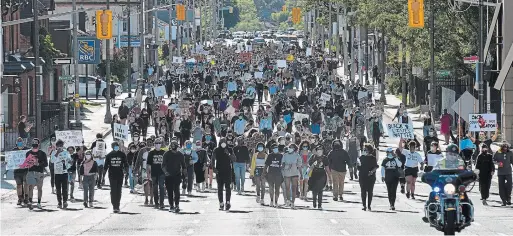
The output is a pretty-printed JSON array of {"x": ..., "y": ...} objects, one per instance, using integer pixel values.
[{"x": 393, "y": 84}]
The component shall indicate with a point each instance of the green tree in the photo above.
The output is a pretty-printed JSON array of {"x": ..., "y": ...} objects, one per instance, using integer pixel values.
[
  {"x": 248, "y": 18},
  {"x": 118, "y": 66},
  {"x": 47, "y": 50}
]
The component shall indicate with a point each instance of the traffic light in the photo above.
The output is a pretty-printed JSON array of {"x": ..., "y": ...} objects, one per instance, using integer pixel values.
[
  {"x": 104, "y": 24},
  {"x": 93, "y": 20},
  {"x": 296, "y": 15},
  {"x": 416, "y": 13},
  {"x": 17, "y": 85},
  {"x": 180, "y": 12},
  {"x": 284, "y": 8}
]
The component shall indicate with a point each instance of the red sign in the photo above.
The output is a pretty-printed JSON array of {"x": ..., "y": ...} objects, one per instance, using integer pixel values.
[
  {"x": 471, "y": 60},
  {"x": 245, "y": 56}
]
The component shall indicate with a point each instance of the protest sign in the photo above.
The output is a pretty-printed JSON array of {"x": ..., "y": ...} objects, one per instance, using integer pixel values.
[
  {"x": 325, "y": 97},
  {"x": 70, "y": 137},
  {"x": 180, "y": 71},
  {"x": 300, "y": 116},
  {"x": 121, "y": 132},
  {"x": 177, "y": 60},
  {"x": 159, "y": 91},
  {"x": 259, "y": 75},
  {"x": 15, "y": 159},
  {"x": 281, "y": 64},
  {"x": 362, "y": 94},
  {"x": 397, "y": 130},
  {"x": 223, "y": 74},
  {"x": 482, "y": 122},
  {"x": 308, "y": 52},
  {"x": 129, "y": 102}
]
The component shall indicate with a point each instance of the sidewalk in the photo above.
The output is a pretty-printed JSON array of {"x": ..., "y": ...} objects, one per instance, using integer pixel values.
[{"x": 93, "y": 115}]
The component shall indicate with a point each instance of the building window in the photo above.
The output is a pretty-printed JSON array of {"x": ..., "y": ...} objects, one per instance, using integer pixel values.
[
  {"x": 30, "y": 93},
  {"x": 125, "y": 25}
]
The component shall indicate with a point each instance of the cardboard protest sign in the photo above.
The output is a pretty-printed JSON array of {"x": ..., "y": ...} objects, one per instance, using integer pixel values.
[
  {"x": 300, "y": 116},
  {"x": 121, "y": 132},
  {"x": 281, "y": 64},
  {"x": 15, "y": 159},
  {"x": 259, "y": 75},
  {"x": 362, "y": 94},
  {"x": 159, "y": 91},
  {"x": 177, "y": 60},
  {"x": 397, "y": 130},
  {"x": 482, "y": 122},
  {"x": 70, "y": 137},
  {"x": 325, "y": 97}
]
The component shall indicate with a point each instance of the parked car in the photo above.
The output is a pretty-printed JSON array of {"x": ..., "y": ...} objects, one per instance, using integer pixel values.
[
  {"x": 91, "y": 85},
  {"x": 258, "y": 41}
]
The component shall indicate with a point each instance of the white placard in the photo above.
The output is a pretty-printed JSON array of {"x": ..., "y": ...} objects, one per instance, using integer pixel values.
[
  {"x": 121, "y": 132},
  {"x": 180, "y": 71},
  {"x": 325, "y": 97},
  {"x": 300, "y": 116},
  {"x": 177, "y": 60},
  {"x": 159, "y": 91},
  {"x": 482, "y": 122},
  {"x": 129, "y": 102},
  {"x": 70, "y": 137},
  {"x": 281, "y": 63},
  {"x": 223, "y": 74},
  {"x": 259, "y": 75},
  {"x": 308, "y": 52},
  {"x": 362, "y": 94},
  {"x": 15, "y": 159},
  {"x": 398, "y": 130}
]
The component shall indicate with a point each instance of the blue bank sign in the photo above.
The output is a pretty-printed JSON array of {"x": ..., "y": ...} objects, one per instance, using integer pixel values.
[{"x": 88, "y": 50}]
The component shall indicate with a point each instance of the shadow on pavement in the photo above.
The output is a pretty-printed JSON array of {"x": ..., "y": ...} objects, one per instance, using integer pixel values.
[
  {"x": 238, "y": 211},
  {"x": 346, "y": 201},
  {"x": 72, "y": 209},
  {"x": 43, "y": 210},
  {"x": 195, "y": 196},
  {"x": 406, "y": 211},
  {"x": 387, "y": 212},
  {"x": 98, "y": 208},
  {"x": 128, "y": 213}
]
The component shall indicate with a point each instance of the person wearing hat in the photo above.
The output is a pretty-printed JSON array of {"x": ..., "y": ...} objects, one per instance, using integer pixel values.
[
  {"x": 20, "y": 176},
  {"x": 486, "y": 169},
  {"x": 222, "y": 161},
  {"x": 62, "y": 162},
  {"x": 504, "y": 160},
  {"x": 88, "y": 170},
  {"x": 173, "y": 167},
  {"x": 154, "y": 168},
  {"x": 35, "y": 175},
  {"x": 390, "y": 175},
  {"x": 319, "y": 166},
  {"x": 115, "y": 163}
]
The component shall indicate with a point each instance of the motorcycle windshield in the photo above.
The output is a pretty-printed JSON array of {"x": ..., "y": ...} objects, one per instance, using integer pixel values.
[{"x": 450, "y": 162}]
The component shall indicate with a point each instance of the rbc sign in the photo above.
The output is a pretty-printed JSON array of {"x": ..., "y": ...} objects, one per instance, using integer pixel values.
[{"x": 88, "y": 50}]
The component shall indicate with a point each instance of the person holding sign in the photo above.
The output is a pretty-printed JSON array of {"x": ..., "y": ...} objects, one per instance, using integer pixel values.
[
  {"x": 35, "y": 175},
  {"x": 62, "y": 162},
  {"x": 20, "y": 176}
]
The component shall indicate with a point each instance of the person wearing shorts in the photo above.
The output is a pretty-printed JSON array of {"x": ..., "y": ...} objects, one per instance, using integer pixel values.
[{"x": 35, "y": 175}]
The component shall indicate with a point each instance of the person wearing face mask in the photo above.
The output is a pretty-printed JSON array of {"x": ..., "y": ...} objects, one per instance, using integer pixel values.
[
  {"x": 305, "y": 155},
  {"x": 222, "y": 161},
  {"x": 62, "y": 162},
  {"x": 20, "y": 175},
  {"x": 272, "y": 172},
  {"x": 76, "y": 156},
  {"x": 241, "y": 152},
  {"x": 486, "y": 169},
  {"x": 282, "y": 144},
  {"x": 99, "y": 148},
  {"x": 35, "y": 174},
  {"x": 191, "y": 157},
  {"x": 390, "y": 175},
  {"x": 432, "y": 157},
  {"x": 291, "y": 166},
  {"x": 88, "y": 170},
  {"x": 145, "y": 117},
  {"x": 338, "y": 162},
  {"x": 266, "y": 126},
  {"x": 174, "y": 167},
  {"x": 154, "y": 167},
  {"x": 239, "y": 125},
  {"x": 413, "y": 159},
  {"x": 353, "y": 148},
  {"x": 141, "y": 170},
  {"x": 130, "y": 158},
  {"x": 318, "y": 176},
  {"x": 201, "y": 166},
  {"x": 367, "y": 165},
  {"x": 257, "y": 169},
  {"x": 115, "y": 163},
  {"x": 504, "y": 160},
  {"x": 50, "y": 150}
]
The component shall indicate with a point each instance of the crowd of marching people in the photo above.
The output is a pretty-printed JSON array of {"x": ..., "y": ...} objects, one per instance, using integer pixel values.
[{"x": 296, "y": 128}]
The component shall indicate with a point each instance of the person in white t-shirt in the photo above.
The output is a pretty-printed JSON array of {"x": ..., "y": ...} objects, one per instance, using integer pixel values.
[{"x": 413, "y": 159}]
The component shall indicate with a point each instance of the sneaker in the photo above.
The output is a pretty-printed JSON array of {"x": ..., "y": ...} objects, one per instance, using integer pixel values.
[
  {"x": 156, "y": 206},
  {"x": 59, "y": 205},
  {"x": 262, "y": 202},
  {"x": 115, "y": 211},
  {"x": 228, "y": 206},
  {"x": 72, "y": 199},
  {"x": 314, "y": 205},
  {"x": 392, "y": 208},
  {"x": 335, "y": 199},
  {"x": 39, "y": 206},
  {"x": 85, "y": 205},
  {"x": 413, "y": 196},
  {"x": 189, "y": 193},
  {"x": 484, "y": 202},
  {"x": 161, "y": 205},
  {"x": 364, "y": 208},
  {"x": 408, "y": 195},
  {"x": 402, "y": 189},
  {"x": 258, "y": 199},
  {"x": 239, "y": 193},
  {"x": 177, "y": 209},
  {"x": 19, "y": 202},
  {"x": 292, "y": 206},
  {"x": 91, "y": 204},
  {"x": 171, "y": 208},
  {"x": 151, "y": 202},
  {"x": 30, "y": 206},
  {"x": 508, "y": 203},
  {"x": 146, "y": 202},
  {"x": 221, "y": 206},
  {"x": 126, "y": 186},
  {"x": 320, "y": 207},
  {"x": 65, "y": 205},
  {"x": 183, "y": 191}
]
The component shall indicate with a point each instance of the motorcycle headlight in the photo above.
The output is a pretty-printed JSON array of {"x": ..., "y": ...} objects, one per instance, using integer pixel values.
[
  {"x": 436, "y": 189},
  {"x": 449, "y": 189}
]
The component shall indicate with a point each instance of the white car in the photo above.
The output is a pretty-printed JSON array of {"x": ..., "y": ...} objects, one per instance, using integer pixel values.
[{"x": 91, "y": 85}]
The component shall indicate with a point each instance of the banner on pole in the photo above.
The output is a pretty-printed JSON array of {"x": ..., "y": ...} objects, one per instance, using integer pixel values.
[{"x": 482, "y": 122}]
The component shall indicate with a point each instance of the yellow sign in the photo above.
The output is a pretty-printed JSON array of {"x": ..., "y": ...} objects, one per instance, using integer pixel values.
[
  {"x": 104, "y": 24},
  {"x": 416, "y": 13},
  {"x": 290, "y": 57},
  {"x": 296, "y": 15},
  {"x": 180, "y": 12}
]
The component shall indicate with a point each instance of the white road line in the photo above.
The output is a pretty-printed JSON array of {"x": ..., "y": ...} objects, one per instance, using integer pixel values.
[
  {"x": 333, "y": 221},
  {"x": 79, "y": 215},
  {"x": 202, "y": 211},
  {"x": 279, "y": 221},
  {"x": 343, "y": 232},
  {"x": 57, "y": 226},
  {"x": 325, "y": 211},
  {"x": 195, "y": 221},
  {"x": 190, "y": 231},
  {"x": 476, "y": 223},
  {"x": 501, "y": 234}
]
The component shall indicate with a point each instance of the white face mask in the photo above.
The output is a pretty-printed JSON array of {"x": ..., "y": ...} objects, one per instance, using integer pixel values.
[
  {"x": 223, "y": 145},
  {"x": 88, "y": 157},
  {"x": 157, "y": 146},
  {"x": 433, "y": 149}
]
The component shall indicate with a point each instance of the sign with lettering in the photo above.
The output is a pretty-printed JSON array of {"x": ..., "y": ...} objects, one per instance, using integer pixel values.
[
  {"x": 121, "y": 132},
  {"x": 482, "y": 122},
  {"x": 300, "y": 116},
  {"x": 15, "y": 159},
  {"x": 159, "y": 91},
  {"x": 397, "y": 130},
  {"x": 281, "y": 64},
  {"x": 325, "y": 97},
  {"x": 70, "y": 137}
]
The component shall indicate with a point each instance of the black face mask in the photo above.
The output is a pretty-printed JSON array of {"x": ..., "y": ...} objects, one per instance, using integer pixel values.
[
  {"x": 35, "y": 145},
  {"x": 174, "y": 147}
]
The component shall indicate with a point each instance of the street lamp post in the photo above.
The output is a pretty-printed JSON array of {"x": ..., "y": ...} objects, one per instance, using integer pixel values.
[{"x": 108, "y": 115}]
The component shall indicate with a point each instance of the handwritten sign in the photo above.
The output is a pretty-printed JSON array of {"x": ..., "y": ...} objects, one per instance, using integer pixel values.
[
  {"x": 362, "y": 94},
  {"x": 159, "y": 91},
  {"x": 281, "y": 64},
  {"x": 397, "y": 130},
  {"x": 308, "y": 52},
  {"x": 15, "y": 159},
  {"x": 300, "y": 116},
  {"x": 482, "y": 122},
  {"x": 259, "y": 75},
  {"x": 129, "y": 102},
  {"x": 121, "y": 132},
  {"x": 325, "y": 97},
  {"x": 177, "y": 60},
  {"x": 70, "y": 137}
]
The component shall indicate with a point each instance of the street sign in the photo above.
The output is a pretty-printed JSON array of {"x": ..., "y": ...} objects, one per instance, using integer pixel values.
[
  {"x": 65, "y": 77},
  {"x": 122, "y": 41},
  {"x": 62, "y": 61},
  {"x": 173, "y": 22},
  {"x": 470, "y": 60},
  {"x": 88, "y": 50},
  {"x": 443, "y": 73}
]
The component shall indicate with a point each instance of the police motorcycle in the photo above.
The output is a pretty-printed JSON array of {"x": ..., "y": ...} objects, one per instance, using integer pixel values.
[{"x": 448, "y": 208}]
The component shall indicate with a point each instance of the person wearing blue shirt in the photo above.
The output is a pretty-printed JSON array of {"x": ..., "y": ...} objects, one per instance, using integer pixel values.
[
  {"x": 266, "y": 125},
  {"x": 232, "y": 87},
  {"x": 191, "y": 157},
  {"x": 239, "y": 125}
]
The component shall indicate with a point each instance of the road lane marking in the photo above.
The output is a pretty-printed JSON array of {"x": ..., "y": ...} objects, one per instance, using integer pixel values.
[
  {"x": 476, "y": 223},
  {"x": 190, "y": 231},
  {"x": 279, "y": 221},
  {"x": 195, "y": 221},
  {"x": 333, "y": 221},
  {"x": 202, "y": 211},
  {"x": 57, "y": 226},
  {"x": 79, "y": 215},
  {"x": 501, "y": 234},
  {"x": 343, "y": 232}
]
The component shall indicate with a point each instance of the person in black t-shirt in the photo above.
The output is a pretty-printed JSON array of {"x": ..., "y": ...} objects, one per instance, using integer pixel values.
[
  {"x": 35, "y": 175},
  {"x": 155, "y": 158},
  {"x": 115, "y": 163}
]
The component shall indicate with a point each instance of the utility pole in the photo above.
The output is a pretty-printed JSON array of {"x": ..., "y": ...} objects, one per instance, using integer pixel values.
[
  {"x": 360, "y": 56},
  {"x": 75, "y": 53},
  {"x": 353, "y": 54},
  {"x": 432, "y": 87},
  {"x": 142, "y": 28},
  {"x": 366, "y": 57},
  {"x": 403, "y": 74},
  {"x": 108, "y": 115},
  {"x": 480, "y": 74},
  {"x": 330, "y": 28},
  {"x": 37, "y": 76},
  {"x": 129, "y": 49},
  {"x": 383, "y": 67},
  {"x": 344, "y": 40},
  {"x": 171, "y": 48}
]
